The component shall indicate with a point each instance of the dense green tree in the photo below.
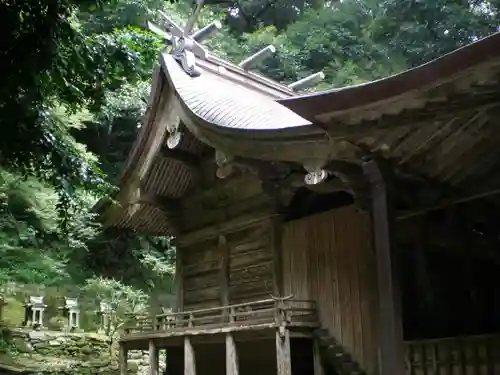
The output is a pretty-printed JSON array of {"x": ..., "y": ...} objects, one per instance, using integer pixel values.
[
  {"x": 51, "y": 63},
  {"x": 78, "y": 78},
  {"x": 426, "y": 29}
]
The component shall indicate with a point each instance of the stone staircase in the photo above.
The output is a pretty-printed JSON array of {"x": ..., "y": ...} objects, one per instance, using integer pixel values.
[{"x": 336, "y": 360}]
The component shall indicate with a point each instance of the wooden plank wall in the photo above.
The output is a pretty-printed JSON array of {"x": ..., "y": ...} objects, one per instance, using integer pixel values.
[
  {"x": 250, "y": 264},
  {"x": 472, "y": 355},
  {"x": 328, "y": 258},
  {"x": 201, "y": 265},
  {"x": 250, "y": 275}
]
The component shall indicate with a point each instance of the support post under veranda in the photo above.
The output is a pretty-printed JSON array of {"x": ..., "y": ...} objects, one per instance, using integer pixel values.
[
  {"x": 189, "y": 357},
  {"x": 283, "y": 355},
  {"x": 231, "y": 356},
  {"x": 122, "y": 359},
  {"x": 154, "y": 359},
  {"x": 318, "y": 363}
]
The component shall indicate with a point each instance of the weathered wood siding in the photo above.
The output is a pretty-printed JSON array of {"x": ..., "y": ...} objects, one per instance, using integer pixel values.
[
  {"x": 250, "y": 264},
  {"x": 201, "y": 267},
  {"x": 250, "y": 268},
  {"x": 224, "y": 200},
  {"x": 472, "y": 355},
  {"x": 328, "y": 258}
]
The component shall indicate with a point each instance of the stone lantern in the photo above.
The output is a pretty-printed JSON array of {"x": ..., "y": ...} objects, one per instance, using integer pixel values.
[{"x": 33, "y": 311}]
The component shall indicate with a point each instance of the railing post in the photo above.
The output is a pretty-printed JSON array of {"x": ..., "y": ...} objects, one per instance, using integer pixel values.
[
  {"x": 179, "y": 320},
  {"x": 190, "y": 323},
  {"x": 231, "y": 314},
  {"x": 122, "y": 359},
  {"x": 153, "y": 358},
  {"x": 231, "y": 356},
  {"x": 189, "y": 357}
]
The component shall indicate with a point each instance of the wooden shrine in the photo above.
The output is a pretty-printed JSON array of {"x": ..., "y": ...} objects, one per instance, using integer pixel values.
[{"x": 344, "y": 232}]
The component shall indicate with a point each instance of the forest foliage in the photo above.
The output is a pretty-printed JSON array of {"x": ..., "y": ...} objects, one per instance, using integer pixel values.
[{"x": 78, "y": 79}]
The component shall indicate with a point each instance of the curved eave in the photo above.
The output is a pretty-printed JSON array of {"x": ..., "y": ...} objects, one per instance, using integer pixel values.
[
  {"x": 147, "y": 178},
  {"x": 150, "y": 177},
  {"x": 410, "y": 89},
  {"x": 238, "y": 121}
]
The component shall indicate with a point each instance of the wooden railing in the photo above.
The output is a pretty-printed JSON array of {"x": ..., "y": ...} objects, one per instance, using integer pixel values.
[
  {"x": 277, "y": 311},
  {"x": 454, "y": 356}
]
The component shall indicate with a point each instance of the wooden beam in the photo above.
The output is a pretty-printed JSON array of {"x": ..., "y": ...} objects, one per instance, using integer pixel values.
[
  {"x": 283, "y": 354},
  {"x": 446, "y": 203},
  {"x": 122, "y": 359},
  {"x": 153, "y": 358},
  {"x": 390, "y": 318},
  {"x": 205, "y": 332},
  {"x": 189, "y": 357},
  {"x": 231, "y": 356},
  {"x": 223, "y": 228},
  {"x": 181, "y": 156}
]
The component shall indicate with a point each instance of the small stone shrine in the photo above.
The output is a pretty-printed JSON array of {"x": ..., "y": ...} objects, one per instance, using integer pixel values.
[
  {"x": 71, "y": 311},
  {"x": 104, "y": 312},
  {"x": 33, "y": 311},
  {"x": 3, "y": 302}
]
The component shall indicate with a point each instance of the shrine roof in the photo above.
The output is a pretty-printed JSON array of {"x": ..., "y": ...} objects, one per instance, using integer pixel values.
[
  {"x": 216, "y": 97},
  {"x": 437, "y": 121},
  {"x": 460, "y": 71}
]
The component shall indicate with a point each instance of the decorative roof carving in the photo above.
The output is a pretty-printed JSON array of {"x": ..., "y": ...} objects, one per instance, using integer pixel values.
[{"x": 185, "y": 46}]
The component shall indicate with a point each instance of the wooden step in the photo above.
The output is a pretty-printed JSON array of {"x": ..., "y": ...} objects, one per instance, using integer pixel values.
[{"x": 336, "y": 355}]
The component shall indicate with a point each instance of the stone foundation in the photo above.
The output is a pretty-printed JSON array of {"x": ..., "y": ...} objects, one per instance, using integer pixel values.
[{"x": 53, "y": 352}]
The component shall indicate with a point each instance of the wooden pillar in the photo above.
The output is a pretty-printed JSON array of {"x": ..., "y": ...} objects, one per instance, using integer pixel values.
[
  {"x": 283, "y": 355},
  {"x": 153, "y": 358},
  {"x": 231, "y": 356},
  {"x": 224, "y": 270},
  {"x": 189, "y": 357},
  {"x": 318, "y": 363},
  {"x": 390, "y": 319},
  {"x": 179, "y": 280},
  {"x": 122, "y": 359}
]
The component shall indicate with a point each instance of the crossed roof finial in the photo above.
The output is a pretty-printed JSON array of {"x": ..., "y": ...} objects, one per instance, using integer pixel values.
[{"x": 186, "y": 44}]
